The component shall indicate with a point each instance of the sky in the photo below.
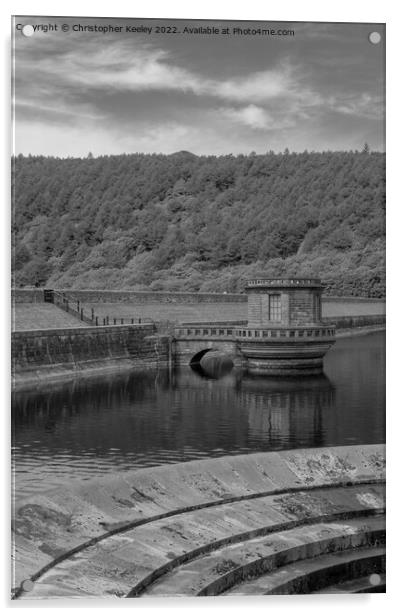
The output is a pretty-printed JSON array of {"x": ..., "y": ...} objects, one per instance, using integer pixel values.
[{"x": 123, "y": 92}]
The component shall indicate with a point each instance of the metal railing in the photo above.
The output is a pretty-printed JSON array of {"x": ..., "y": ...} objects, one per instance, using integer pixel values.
[
  {"x": 72, "y": 307},
  {"x": 88, "y": 315}
]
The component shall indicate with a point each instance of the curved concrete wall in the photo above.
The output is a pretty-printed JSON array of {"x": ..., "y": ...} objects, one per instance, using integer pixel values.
[{"x": 116, "y": 536}]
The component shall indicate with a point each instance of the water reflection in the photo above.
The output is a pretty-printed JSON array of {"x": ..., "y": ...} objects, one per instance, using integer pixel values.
[
  {"x": 213, "y": 365},
  {"x": 279, "y": 409},
  {"x": 97, "y": 426}
]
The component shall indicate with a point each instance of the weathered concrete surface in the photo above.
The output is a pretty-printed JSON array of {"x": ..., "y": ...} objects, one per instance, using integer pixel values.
[
  {"x": 125, "y": 535},
  {"x": 214, "y": 572},
  {"x": 315, "y": 573}
]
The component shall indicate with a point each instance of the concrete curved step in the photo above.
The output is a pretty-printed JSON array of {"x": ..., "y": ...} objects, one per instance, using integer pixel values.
[
  {"x": 312, "y": 574},
  {"x": 106, "y": 537},
  {"x": 373, "y": 583},
  {"x": 222, "y": 569},
  {"x": 127, "y": 563}
]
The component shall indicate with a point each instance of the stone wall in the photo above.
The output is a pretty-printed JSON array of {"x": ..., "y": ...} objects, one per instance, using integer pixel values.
[
  {"x": 26, "y": 296},
  {"x": 57, "y": 353},
  {"x": 357, "y": 321},
  {"x": 184, "y": 350},
  {"x": 332, "y": 299},
  {"x": 302, "y": 307},
  {"x": 298, "y": 307},
  {"x": 135, "y": 297},
  {"x": 254, "y": 310},
  {"x": 352, "y": 306},
  {"x": 132, "y": 297}
]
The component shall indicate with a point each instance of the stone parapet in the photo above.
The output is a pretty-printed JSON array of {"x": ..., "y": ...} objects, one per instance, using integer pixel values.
[{"x": 284, "y": 283}]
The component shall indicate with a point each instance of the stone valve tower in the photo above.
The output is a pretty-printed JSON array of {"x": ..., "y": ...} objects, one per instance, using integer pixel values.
[{"x": 285, "y": 335}]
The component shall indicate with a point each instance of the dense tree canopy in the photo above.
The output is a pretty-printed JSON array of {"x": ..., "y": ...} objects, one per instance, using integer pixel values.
[{"x": 185, "y": 222}]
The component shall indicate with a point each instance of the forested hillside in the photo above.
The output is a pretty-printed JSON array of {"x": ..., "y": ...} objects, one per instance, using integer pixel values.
[{"x": 184, "y": 222}]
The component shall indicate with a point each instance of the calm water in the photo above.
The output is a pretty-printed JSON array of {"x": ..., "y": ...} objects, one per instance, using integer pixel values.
[{"x": 91, "y": 428}]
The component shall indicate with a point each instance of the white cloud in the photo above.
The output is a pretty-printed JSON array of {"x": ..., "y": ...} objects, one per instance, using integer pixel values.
[
  {"x": 252, "y": 116},
  {"x": 67, "y": 78},
  {"x": 363, "y": 105},
  {"x": 260, "y": 86},
  {"x": 137, "y": 70},
  {"x": 84, "y": 112},
  {"x": 144, "y": 69},
  {"x": 151, "y": 69}
]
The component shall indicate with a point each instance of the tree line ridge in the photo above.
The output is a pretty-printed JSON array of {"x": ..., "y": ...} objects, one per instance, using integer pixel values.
[{"x": 182, "y": 222}]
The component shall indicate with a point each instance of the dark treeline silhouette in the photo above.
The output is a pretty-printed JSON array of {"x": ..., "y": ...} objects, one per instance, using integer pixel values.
[{"x": 200, "y": 223}]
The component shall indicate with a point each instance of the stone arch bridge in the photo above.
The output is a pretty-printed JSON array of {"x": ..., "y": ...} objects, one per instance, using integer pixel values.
[
  {"x": 290, "y": 351},
  {"x": 191, "y": 343}
]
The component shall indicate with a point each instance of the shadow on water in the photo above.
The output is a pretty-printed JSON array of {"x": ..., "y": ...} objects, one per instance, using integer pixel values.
[
  {"x": 212, "y": 365},
  {"x": 87, "y": 428}
]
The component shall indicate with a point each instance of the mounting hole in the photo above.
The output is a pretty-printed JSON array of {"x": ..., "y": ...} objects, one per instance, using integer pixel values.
[
  {"x": 28, "y": 30},
  {"x": 374, "y": 37},
  {"x": 374, "y": 579},
  {"x": 27, "y": 585}
]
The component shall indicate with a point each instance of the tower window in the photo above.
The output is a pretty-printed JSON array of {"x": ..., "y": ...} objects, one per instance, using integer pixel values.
[
  {"x": 317, "y": 307},
  {"x": 275, "y": 307}
]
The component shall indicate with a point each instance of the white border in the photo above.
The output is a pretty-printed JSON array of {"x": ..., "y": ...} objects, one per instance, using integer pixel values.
[{"x": 291, "y": 10}]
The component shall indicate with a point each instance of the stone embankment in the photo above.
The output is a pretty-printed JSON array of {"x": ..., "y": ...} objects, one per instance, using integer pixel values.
[
  {"x": 287, "y": 522},
  {"x": 56, "y": 354}
]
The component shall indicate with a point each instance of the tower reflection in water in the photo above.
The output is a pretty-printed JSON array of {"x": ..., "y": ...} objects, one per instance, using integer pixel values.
[{"x": 279, "y": 409}]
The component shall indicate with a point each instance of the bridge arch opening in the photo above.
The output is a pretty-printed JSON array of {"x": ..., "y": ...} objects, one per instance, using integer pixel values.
[
  {"x": 210, "y": 363},
  {"x": 195, "y": 360}
]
